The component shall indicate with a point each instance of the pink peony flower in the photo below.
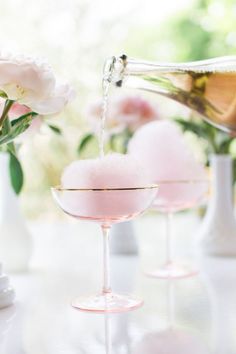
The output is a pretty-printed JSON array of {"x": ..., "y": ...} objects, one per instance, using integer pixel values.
[
  {"x": 124, "y": 112},
  {"x": 135, "y": 111}
]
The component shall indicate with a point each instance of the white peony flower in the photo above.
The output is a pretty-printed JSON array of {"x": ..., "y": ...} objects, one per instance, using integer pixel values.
[{"x": 32, "y": 83}]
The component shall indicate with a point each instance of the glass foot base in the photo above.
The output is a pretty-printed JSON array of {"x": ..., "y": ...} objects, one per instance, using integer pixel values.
[
  {"x": 173, "y": 271},
  {"x": 107, "y": 303}
]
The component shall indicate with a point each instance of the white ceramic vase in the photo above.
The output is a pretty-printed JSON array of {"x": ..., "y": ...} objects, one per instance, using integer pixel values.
[
  {"x": 218, "y": 230},
  {"x": 15, "y": 240}
]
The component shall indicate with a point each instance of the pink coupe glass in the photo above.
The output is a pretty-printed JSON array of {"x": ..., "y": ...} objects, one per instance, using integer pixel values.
[
  {"x": 106, "y": 207},
  {"x": 176, "y": 196}
]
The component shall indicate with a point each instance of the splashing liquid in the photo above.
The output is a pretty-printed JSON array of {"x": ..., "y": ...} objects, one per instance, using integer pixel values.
[{"x": 106, "y": 83}]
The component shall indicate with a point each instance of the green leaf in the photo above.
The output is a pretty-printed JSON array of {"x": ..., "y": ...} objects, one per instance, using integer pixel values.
[
  {"x": 24, "y": 118},
  {"x": 17, "y": 127},
  {"x": 192, "y": 126},
  {"x": 16, "y": 130},
  {"x": 201, "y": 129},
  {"x": 7, "y": 106},
  {"x": 128, "y": 135},
  {"x": 16, "y": 173},
  {"x": 83, "y": 143},
  {"x": 119, "y": 141},
  {"x": 6, "y": 127},
  {"x": 3, "y": 94},
  {"x": 55, "y": 129},
  {"x": 223, "y": 141},
  {"x": 11, "y": 148},
  {"x": 112, "y": 142}
]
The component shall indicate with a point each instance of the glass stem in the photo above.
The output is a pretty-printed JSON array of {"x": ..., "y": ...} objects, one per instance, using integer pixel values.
[
  {"x": 106, "y": 260},
  {"x": 168, "y": 238}
]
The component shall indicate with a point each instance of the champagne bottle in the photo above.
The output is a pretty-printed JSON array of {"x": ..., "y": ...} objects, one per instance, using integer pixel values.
[{"x": 207, "y": 87}]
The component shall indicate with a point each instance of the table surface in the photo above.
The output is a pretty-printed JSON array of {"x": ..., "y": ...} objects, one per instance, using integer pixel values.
[{"x": 190, "y": 316}]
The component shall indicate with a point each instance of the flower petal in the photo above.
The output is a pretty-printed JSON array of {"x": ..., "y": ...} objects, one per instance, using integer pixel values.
[{"x": 54, "y": 104}]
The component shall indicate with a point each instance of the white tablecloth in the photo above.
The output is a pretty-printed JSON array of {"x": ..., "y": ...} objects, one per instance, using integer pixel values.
[{"x": 190, "y": 316}]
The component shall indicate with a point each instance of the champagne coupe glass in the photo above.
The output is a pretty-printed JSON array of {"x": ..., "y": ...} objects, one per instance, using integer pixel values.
[
  {"x": 106, "y": 207},
  {"x": 176, "y": 196}
]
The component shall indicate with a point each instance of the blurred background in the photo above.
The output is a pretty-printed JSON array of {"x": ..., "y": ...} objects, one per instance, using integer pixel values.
[{"x": 76, "y": 36}]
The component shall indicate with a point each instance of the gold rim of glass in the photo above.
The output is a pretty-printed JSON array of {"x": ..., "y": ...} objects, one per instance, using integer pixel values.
[{"x": 61, "y": 189}]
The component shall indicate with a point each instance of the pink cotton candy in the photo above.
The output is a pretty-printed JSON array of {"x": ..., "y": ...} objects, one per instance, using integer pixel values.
[
  {"x": 161, "y": 147},
  {"x": 111, "y": 171}
]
